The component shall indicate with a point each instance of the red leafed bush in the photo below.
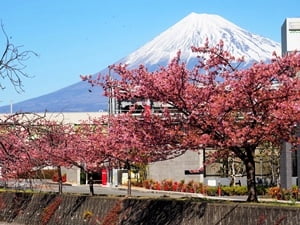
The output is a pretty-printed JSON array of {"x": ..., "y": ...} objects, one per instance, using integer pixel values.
[
  {"x": 55, "y": 178},
  {"x": 50, "y": 210}
]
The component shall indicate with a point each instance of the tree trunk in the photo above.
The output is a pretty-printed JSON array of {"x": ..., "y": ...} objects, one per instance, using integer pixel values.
[
  {"x": 129, "y": 183},
  {"x": 250, "y": 170},
  {"x": 233, "y": 173},
  {"x": 128, "y": 166},
  {"x": 59, "y": 180}
]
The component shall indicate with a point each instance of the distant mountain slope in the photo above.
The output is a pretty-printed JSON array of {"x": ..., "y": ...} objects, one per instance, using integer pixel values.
[
  {"x": 74, "y": 98},
  {"x": 193, "y": 30}
]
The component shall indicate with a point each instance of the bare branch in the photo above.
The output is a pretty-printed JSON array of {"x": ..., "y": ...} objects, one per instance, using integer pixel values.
[{"x": 12, "y": 63}]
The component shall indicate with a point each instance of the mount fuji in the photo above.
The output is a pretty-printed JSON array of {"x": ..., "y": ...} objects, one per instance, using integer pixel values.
[{"x": 192, "y": 30}]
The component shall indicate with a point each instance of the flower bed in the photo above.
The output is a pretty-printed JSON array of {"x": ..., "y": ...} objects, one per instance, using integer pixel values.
[{"x": 197, "y": 187}]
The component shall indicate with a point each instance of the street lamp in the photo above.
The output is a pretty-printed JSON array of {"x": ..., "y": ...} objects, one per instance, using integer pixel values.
[{"x": 11, "y": 107}]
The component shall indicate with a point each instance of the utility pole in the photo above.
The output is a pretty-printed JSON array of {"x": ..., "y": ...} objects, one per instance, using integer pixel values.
[{"x": 11, "y": 107}]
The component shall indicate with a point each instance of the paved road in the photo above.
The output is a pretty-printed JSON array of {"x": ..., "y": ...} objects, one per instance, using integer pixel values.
[
  {"x": 123, "y": 191},
  {"x": 38, "y": 185},
  {"x": 116, "y": 191},
  {"x": 48, "y": 186}
]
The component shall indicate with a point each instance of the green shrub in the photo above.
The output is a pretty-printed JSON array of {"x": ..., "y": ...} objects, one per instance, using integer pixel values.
[
  {"x": 240, "y": 190},
  {"x": 212, "y": 191},
  {"x": 227, "y": 190},
  {"x": 261, "y": 190}
]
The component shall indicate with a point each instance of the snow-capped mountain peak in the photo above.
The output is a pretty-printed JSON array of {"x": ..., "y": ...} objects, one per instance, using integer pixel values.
[{"x": 193, "y": 30}]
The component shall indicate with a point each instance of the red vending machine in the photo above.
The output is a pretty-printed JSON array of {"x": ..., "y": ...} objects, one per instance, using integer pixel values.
[{"x": 104, "y": 176}]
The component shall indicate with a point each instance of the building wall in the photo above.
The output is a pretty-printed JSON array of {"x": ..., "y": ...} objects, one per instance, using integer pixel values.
[
  {"x": 290, "y": 41},
  {"x": 73, "y": 174},
  {"x": 175, "y": 168},
  {"x": 290, "y": 35}
]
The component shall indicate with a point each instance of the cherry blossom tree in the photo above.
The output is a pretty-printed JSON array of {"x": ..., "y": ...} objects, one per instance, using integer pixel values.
[
  {"x": 142, "y": 141},
  {"x": 58, "y": 144},
  {"x": 91, "y": 145},
  {"x": 116, "y": 141},
  {"x": 30, "y": 142},
  {"x": 16, "y": 153},
  {"x": 217, "y": 102}
]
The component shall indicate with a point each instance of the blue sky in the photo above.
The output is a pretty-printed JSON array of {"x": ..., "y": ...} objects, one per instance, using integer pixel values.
[{"x": 74, "y": 37}]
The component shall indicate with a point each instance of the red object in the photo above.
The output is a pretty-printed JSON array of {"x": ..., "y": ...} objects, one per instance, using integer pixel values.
[
  {"x": 104, "y": 176},
  {"x": 56, "y": 179},
  {"x": 147, "y": 112},
  {"x": 219, "y": 190}
]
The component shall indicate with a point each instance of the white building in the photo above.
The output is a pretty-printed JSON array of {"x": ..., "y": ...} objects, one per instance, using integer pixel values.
[
  {"x": 290, "y": 35},
  {"x": 290, "y": 162}
]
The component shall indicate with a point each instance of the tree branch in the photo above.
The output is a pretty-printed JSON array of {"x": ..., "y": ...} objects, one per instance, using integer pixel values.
[{"x": 12, "y": 63}]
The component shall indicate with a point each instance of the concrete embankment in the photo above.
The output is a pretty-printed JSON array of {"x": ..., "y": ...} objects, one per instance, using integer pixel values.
[{"x": 53, "y": 209}]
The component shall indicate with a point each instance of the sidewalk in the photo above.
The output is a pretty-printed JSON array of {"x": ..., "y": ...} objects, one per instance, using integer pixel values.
[
  {"x": 236, "y": 198},
  {"x": 163, "y": 193}
]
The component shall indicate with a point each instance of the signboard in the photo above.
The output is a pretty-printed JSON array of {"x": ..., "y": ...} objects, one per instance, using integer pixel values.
[
  {"x": 294, "y": 26},
  {"x": 212, "y": 183},
  {"x": 193, "y": 172}
]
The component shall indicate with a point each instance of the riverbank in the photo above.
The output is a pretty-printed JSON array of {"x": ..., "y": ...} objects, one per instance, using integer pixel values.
[{"x": 53, "y": 209}]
